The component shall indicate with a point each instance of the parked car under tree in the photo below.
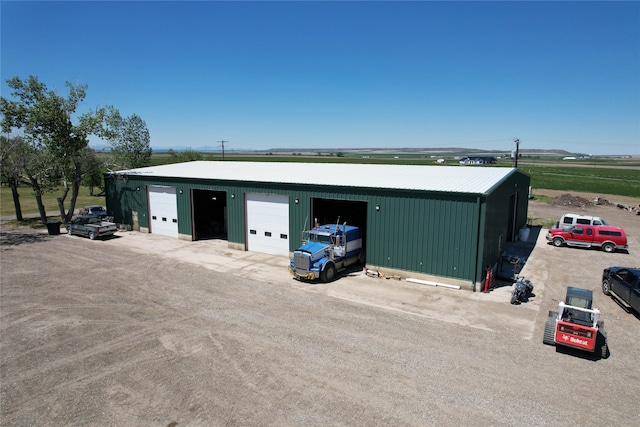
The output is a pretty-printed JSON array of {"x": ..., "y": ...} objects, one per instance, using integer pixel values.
[
  {"x": 94, "y": 210},
  {"x": 91, "y": 227}
]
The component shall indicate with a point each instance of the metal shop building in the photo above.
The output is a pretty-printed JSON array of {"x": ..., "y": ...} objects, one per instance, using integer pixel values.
[{"x": 446, "y": 221}]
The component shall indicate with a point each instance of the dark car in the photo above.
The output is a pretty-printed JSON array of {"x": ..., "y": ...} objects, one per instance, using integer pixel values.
[
  {"x": 91, "y": 226},
  {"x": 624, "y": 284},
  {"x": 98, "y": 211}
]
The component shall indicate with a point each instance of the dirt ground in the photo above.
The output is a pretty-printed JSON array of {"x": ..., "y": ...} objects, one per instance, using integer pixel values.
[
  {"x": 146, "y": 330},
  {"x": 581, "y": 203}
]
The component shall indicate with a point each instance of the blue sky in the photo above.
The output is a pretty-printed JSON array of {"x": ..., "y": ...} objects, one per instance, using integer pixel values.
[{"x": 296, "y": 75}]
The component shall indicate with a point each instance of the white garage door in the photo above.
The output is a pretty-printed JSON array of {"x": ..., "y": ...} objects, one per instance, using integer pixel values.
[
  {"x": 163, "y": 211},
  {"x": 268, "y": 223}
]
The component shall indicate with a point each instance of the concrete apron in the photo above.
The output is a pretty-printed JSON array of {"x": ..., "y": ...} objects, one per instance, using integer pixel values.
[{"x": 487, "y": 311}]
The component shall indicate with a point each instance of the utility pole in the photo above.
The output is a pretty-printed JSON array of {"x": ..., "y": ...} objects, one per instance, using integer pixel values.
[
  {"x": 517, "y": 141},
  {"x": 222, "y": 142}
]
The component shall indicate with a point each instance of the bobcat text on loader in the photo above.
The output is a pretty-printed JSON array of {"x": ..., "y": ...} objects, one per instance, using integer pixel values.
[
  {"x": 576, "y": 324},
  {"x": 326, "y": 249}
]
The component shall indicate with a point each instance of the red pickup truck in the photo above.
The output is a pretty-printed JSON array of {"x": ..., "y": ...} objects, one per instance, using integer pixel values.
[{"x": 607, "y": 237}]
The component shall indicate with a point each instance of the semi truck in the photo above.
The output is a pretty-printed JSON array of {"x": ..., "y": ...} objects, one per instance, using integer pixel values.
[{"x": 326, "y": 250}]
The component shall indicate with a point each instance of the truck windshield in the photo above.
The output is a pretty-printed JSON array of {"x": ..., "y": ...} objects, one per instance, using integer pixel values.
[
  {"x": 319, "y": 238},
  {"x": 578, "y": 302}
]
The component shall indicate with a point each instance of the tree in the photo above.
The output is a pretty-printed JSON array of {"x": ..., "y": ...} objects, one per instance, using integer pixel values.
[
  {"x": 95, "y": 168},
  {"x": 12, "y": 156},
  {"x": 187, "y": 155},
  {"x": 129, "y": 140},
  {"x": 29, "y": 116},
  {"x": 57, "y": 144}
]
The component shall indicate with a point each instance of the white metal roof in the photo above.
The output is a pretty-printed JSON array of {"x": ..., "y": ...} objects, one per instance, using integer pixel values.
[{"x": 457, "y": 179}]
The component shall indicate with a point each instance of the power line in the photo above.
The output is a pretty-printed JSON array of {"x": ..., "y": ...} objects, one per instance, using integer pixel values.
[{"x": 222, "y": 143}]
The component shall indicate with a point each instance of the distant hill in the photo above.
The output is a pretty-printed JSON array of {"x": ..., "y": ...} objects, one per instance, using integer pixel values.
[{"x": 439, "y": 151}]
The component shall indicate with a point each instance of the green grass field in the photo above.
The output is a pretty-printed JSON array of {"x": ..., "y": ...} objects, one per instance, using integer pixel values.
[
  {"x": 29, "y": 206},
  {"x": 603, "y": 180},
  {"x": 601, "y": 176},
  {"x": 597, "y": 176}
]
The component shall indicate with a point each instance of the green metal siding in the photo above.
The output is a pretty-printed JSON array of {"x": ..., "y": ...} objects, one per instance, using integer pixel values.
[
  {"x": 414, "y": 231},
  {"x": 442, "y": 234},
  {"x": 124, "y": 194},
  {"x": 428, "y": 234},
  {"x": 497, "y": 216}
]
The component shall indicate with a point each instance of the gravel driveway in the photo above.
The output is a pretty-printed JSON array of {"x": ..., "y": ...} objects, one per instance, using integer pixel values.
[{"x": 105, "y": 333}]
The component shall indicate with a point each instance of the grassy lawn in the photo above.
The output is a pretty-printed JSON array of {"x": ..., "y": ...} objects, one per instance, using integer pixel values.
[
  {"x": 603, "y": 180},
  {"x": 29, "y": 206}
]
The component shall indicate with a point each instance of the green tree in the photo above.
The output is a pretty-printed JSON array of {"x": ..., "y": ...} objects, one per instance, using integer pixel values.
[
  {"x": 187, "y": 155},
  {"x": 29, "y": 116},
  {"x": 95, "y": 169},
  {"x": 12, "y": 156},
  {"x": 129, "y": 140},
  {"x": 57, "y": 138}
]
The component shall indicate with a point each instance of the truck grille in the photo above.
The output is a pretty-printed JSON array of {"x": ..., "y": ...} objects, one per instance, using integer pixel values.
[{"x": 301, "y": 261}]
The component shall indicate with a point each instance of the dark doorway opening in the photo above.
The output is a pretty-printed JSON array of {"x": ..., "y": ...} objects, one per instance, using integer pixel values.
[
  {"x": 209, "y": 210},
  {"x": 331, "y": 211}
]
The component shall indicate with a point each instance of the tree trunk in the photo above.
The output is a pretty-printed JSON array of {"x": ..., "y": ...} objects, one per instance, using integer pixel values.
[
  {"x": 37, "y": 189},
  {"x": 43, "y": 212},
  {"x": 63, "y": 215},
  {"x": 75, "y": 187},
  {"x": 13, "y": 183}
]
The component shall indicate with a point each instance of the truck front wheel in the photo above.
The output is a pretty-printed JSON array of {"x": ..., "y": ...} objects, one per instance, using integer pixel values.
[
  {"x": 92, "y": 235},
  {"x": 557, "y": 242},
  {"x": 329, "y": 273}
]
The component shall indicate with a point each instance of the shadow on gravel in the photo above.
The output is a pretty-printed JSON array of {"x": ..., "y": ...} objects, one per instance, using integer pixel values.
[
  {"x": 581, "y": 354},
  {"x": 626, "y": 309},
  {"x": 591, "y": 248},
  {"x": 350, "y": 271},
  {"x": 111, "y": 237},
  {"x": 13, "y": 238}
]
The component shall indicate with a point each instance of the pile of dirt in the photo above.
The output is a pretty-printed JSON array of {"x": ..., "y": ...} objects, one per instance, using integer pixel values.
[
  {"x": 570, "y": 200},
  {"x": 601, "y": 201}
]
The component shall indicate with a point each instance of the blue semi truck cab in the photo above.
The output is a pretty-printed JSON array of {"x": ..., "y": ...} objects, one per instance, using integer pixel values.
[{"x": 326, "y": 250}]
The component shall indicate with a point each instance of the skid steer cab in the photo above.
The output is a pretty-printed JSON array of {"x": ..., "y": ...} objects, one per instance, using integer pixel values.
[
  {"x": 576, "y": 324},
  {"x": 326, "y": 250}
]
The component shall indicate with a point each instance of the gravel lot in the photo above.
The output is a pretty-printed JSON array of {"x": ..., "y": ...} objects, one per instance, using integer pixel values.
[{"x": 102, "y": 333}]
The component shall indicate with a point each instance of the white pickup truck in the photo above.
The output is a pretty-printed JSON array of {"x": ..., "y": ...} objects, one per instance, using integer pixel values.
[{"x": 91, "y": 227}]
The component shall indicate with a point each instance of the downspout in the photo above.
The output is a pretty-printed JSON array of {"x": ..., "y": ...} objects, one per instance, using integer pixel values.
[{"x": 479, "y": 247}]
